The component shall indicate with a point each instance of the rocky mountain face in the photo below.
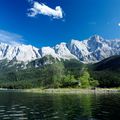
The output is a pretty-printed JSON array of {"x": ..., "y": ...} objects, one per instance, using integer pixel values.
[{"x": 90, "y": 50}]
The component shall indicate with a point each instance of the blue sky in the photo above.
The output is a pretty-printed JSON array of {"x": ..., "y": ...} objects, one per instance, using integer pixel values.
[{"x": 55, "y": 21}]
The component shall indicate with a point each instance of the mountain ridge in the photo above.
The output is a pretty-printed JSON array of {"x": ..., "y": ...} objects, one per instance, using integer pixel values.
[
  {"x": 107, "y": 71},
  {"x": 91, "y": 50}
]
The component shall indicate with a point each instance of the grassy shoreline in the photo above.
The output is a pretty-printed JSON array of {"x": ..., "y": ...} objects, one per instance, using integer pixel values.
[
  {"x": 67, "y": 90},
  {"x": 73, "y": 90}
]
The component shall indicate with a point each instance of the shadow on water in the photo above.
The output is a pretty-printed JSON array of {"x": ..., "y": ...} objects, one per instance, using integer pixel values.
[{"x": 31, "y": 106}]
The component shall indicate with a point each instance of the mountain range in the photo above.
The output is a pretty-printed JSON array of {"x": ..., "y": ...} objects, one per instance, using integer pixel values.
[
  {"x": 64, "y": 65},
  {"x": 91, "y": 50}
]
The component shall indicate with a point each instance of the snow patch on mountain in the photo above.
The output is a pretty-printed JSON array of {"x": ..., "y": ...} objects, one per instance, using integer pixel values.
[
  {"x": 44, "y": 51},
  {"x": 91, "y": 50},
  {"x": 19, "y": 52},
  {"x": 63, "y": 52}
]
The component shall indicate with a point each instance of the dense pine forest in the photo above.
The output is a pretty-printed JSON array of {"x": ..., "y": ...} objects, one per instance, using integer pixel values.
[{"x": 52, "y": 73}]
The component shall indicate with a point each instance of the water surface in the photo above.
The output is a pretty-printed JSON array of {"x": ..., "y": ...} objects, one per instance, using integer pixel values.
[{"x": 32, "y": 106}]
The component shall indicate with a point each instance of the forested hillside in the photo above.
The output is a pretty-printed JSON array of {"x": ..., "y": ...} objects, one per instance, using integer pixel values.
[
  {"x": 107, "y": 72},
  {"x": 49, "y": 72}
]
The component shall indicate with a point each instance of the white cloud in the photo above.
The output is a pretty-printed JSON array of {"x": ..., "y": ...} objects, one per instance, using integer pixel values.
[
  {"x": 10, "y": 38},
  {"x": 40, "y": 8}
]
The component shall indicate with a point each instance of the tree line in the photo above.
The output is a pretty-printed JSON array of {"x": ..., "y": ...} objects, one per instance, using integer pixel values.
[{"x": 57, "y": 75}]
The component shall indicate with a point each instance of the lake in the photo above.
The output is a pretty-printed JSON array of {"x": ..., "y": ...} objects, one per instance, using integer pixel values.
[{"x": 34, "y": 106}]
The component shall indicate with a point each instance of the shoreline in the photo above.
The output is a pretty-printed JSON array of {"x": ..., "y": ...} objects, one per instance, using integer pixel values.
[
  {"x": 74, "y": 91},
  {"x": 66, "y": 90}
]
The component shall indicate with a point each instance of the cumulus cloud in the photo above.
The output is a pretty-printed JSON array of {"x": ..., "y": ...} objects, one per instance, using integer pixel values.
[
  {"x": 10, "y": 38},
  {"x": 40, "y": 8}
]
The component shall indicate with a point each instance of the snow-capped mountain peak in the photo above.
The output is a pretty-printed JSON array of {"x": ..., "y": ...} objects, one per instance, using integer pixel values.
[
  {"x": 96, "y": 38},
  {"x": 63, "y": 52},
  {"x": 19, "y": 52},
  {"x": 90, "y": 50}
]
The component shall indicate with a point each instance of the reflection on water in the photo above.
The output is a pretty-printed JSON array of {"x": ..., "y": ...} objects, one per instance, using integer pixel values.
[{"x": 31, "y": 106}]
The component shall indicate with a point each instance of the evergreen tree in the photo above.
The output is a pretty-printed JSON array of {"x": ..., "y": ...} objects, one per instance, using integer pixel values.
[{"x": 84, "y": 79}]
